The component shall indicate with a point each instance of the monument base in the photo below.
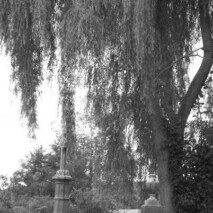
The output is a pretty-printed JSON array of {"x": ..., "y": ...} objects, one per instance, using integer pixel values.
[
  {"x": 152, "y": 209},
  {"x": 152, "y": 205},
  {"x": 61, "y": 199}
]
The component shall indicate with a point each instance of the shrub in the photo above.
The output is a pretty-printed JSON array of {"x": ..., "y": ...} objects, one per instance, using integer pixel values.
[
  {"x": 20, "y": 209},
  {"x": 38, "y": 202},
  {"x": 195, "y": 188},
  {"x": 5, "y": 210}
]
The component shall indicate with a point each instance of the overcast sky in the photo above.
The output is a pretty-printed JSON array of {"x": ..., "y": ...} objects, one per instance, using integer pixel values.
[{"x": 14, "y": 141}]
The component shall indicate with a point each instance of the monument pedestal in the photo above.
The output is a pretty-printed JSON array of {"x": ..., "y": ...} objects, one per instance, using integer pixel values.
[
  {"x": 62, "y": 180},
  {"x": 152, "y": 205},
  {"x": 152, "y": 209}
]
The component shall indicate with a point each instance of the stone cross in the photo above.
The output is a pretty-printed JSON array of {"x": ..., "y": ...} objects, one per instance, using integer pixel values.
[{"x": 63, "y": 157}]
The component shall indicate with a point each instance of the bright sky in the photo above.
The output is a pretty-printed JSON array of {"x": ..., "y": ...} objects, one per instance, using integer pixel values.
[{"x": 14, "y": 141}]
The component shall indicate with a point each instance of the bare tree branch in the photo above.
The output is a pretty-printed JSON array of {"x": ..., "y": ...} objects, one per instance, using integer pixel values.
[{"x": 175, "y": 62}]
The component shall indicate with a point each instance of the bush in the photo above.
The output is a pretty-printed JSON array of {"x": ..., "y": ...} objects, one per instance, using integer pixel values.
[
  {"x": 84, "y": 202},
  {"x": 195, "y": 188},
  {"x": 23, "y": 201},
  {"x": 74, "y": 209},
  {"x": 5, "y": 210},
  {"x": 38, "y": 202},
  {"x": 20, "y": 209}
]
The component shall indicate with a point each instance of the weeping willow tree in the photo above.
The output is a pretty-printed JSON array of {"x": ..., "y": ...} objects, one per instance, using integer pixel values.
[{"x": 139, "y": 53}]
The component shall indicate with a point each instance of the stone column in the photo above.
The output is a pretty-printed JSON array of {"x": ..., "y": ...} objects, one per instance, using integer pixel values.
[{"x": 62, "y": 180}]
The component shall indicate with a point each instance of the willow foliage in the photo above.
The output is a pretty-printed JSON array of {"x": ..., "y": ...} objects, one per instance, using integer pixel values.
[
  {"x": 135, "y": 51},
  {"x": 26, "y": 28},
  {"x": 145, "y": 59}
]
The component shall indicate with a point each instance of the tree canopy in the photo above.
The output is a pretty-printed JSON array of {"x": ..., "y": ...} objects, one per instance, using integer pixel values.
[{"x": 135, "y": 56}]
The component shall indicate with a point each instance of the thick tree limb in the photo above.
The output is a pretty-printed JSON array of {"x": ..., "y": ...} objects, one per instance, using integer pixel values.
[{"x": 199, "y": 79}]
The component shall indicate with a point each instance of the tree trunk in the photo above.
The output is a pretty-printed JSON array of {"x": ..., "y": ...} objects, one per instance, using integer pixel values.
[
  {"x": 203, "y": 72},
  {"x": 166, "y": 190},
  {"x": 162, "y": 157},
  {"x": 161, "y": 138}
]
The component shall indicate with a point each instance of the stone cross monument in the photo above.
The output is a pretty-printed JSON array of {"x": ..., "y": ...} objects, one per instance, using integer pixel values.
[{"x": 62, "y": 180}]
